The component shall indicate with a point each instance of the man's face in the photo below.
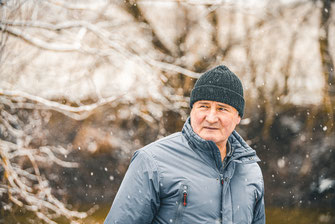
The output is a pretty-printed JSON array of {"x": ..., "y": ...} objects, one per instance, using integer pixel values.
[{"x": 214, "y": 121}]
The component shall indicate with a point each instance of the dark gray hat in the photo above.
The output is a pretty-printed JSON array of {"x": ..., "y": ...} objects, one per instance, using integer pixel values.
[{"x": 221, "y": 85}]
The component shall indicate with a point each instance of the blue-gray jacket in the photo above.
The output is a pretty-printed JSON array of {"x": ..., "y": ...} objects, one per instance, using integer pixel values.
[{"x": 181, "y": 179}]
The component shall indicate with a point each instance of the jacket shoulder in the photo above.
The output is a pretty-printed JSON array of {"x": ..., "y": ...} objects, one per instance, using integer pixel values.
[
  {"x": 166, "y": 150},
  {"x": 166, "y": 143}
]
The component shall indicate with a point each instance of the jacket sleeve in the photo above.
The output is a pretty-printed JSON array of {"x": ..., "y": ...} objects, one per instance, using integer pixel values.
[
  {"x": 137, "y": 199},
  {"x": 259, "y": 209}
]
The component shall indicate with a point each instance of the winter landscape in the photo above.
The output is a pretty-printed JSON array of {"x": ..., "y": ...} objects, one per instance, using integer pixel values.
[{"x": 83, "y": 84}]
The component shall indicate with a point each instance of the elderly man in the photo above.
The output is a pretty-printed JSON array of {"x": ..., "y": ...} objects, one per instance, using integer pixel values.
[{"x": 204, "y": 174}]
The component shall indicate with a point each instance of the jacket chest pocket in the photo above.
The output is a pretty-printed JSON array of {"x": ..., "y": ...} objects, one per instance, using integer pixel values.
[{"x": 181, "y": 203}]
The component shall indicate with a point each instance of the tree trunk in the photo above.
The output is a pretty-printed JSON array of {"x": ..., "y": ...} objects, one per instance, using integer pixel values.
[{"x": 327, "y": 63}]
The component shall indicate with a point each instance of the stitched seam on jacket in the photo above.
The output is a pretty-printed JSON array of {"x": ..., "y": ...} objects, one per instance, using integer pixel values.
[{"x": 157, "y": 167}]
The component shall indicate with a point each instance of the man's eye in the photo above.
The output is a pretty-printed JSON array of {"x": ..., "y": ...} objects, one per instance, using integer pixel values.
[
  {"x": 222, "y": 109},
  {"x": 203, "y": 106}
]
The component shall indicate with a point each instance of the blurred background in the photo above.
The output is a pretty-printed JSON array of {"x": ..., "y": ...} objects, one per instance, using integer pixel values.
[{"x": 83, "y": 84}]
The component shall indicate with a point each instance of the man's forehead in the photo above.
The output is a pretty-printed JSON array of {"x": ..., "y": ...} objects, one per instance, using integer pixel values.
[{"x": 210, "y": 102}]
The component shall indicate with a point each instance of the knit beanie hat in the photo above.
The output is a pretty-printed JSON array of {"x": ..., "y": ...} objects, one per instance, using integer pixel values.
[{"x": 221, "y": 85}]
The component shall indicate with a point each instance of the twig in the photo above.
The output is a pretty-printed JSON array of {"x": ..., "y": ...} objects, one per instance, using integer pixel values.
[
  {"x": 172, "y": 67},
  {"x": 78, "y": 6},
  {"x": 40, "y": 43},
  {"x": 65, "y": 109}
]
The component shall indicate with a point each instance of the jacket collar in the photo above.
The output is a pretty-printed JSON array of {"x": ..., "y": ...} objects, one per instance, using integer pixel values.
[{"x": 194, "y": 139}]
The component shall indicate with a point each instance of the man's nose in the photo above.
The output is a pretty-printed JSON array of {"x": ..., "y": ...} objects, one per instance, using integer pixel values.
[{"x": 212, "y": 116}]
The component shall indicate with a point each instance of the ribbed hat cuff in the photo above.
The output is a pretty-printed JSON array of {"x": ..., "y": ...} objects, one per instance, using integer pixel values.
[{"x": 219, "y": 94}]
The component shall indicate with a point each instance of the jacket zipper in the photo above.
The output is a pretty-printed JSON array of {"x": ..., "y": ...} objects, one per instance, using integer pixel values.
[{"x": 182, "y": 203}]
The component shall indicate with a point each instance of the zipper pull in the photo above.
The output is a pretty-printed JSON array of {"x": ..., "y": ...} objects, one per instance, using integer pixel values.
[
  {"x": 256, "y": 196},
  {"x": 184, "y": 198}
]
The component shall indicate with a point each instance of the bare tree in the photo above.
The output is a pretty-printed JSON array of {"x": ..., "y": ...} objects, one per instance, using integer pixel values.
[{"x": 23, "y": 184}]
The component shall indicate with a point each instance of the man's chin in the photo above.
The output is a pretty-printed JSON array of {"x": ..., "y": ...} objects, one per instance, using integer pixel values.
[{"x": 208, "y": 138}]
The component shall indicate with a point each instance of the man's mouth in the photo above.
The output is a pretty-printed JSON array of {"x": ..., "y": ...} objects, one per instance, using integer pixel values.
[{"x": 211, "y": 128}]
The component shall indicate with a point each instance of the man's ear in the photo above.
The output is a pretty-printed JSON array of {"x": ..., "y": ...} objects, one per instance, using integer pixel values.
[{"x": 238, "y": 119}]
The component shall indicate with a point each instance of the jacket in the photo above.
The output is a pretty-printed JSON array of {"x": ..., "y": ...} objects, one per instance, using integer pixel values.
[{"x": 182, "y": 179}]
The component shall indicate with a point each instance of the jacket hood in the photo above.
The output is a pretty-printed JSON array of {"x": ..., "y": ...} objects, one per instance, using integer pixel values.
[{"x": 240, "y": 149}]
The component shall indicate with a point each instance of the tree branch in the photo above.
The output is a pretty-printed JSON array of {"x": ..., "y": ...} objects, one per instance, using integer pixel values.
[{"x": 65, "y": 109}]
